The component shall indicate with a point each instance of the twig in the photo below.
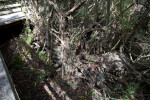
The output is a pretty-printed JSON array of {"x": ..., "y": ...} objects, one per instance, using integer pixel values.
[
  {"x": 53, "y": 30},
  {"x": 116, "y": 45},
  {"x": 55, "y": 7},
  {"x": 68, "y": 13}
]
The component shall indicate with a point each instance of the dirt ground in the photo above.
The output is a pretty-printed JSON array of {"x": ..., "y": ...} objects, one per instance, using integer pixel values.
[
  {"x": 32, "y": 85},
  {"x": 35, "y": 80}
]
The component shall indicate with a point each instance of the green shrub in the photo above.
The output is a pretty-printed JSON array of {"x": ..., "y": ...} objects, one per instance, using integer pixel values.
[{"x": 29, "y": 39}]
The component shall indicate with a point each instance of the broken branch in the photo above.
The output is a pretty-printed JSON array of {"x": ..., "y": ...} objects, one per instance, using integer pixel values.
[{"x": 75, "y": 8}]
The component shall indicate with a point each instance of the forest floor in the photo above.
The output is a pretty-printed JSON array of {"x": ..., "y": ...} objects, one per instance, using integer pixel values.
[
  {"x": 32, "y": 81},
  {"x": 35, "y": 80}
]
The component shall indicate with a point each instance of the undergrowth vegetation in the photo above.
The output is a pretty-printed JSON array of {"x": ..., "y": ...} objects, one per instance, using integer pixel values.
[{"x": 100, "y": 49}]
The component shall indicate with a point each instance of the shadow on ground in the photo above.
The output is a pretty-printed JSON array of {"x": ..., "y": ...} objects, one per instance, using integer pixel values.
[{"x": 26, "y": 72}]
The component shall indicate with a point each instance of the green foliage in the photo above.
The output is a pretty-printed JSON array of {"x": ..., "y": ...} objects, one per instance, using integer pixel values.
[
  {"x": 131, "y": 90},
  {"x": 91, "y": 59},
  {"x": 71, "y": 84},
  {"x": 103, "y": 34},
  {"x": 26, "y": 52},
  {"x": 29, "y": 39},
  {"x": 42, "y": 75},
  {"x": 25, "y": 12},
  {"x": 81, "y": 12},
  {"x": 18, "y": 61},
  {"x": 92, "y": 93},
  {"x": 75, "y": 40},
  {"x": 42, "y": 53},
  {"x": 28, "y": 30},
  {"x": 43, "y": 56}
]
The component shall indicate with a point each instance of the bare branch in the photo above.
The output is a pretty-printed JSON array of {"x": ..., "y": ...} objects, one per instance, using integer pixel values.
[
  {"x": 55, "y": 7},
  {"x": 54, "y": 32},
  {"x": 75, "y": 8}
]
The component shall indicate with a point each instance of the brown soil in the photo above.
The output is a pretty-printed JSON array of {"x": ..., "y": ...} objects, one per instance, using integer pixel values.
[{"x": 26, "y": 77}]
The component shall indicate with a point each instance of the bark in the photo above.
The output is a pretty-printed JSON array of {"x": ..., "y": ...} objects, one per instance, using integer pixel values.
[{"x": 63, "y": 21}]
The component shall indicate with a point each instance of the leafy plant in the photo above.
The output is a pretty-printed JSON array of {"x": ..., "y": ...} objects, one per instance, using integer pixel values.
[
  {"x": 28, "y": 30},
  {"x": 29, "y": 39},
  {"x": 18, "y": 61},
  {"x": 71, "y": 83},
  {"x": 27, "y": 52},
  {"x": 91, "y": 59},
  {"x": 92, "y": 93},
  {"x": 42, "y": 53},
  {"x": 42, "y": 75},
  {"x": 131, "y": 90}
]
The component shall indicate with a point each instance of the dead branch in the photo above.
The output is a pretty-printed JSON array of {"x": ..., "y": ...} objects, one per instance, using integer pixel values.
[
  {"x": 68, "y": 13},
  {"x": 55, "y": 7}
]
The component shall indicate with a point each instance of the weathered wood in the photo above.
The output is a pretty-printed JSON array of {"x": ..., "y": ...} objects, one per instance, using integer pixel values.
[
  {"x": 12, "y": 15},
  {"x": 8, "y": 19},
  {"x": 7, "y": 90},
  {"x": 10, "y": 11},
  {"x": 3, "y": 0},
  {"x": 10, "y": 6}
]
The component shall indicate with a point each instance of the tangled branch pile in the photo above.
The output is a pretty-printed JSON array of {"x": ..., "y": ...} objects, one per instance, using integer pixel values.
[{"x": 106, "y": 42}]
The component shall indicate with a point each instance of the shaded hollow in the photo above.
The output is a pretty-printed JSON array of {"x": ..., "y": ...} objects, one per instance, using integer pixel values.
[{"x": 10, "y": 31}]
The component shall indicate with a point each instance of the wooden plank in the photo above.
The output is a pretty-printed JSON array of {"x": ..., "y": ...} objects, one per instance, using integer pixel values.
[
  {"x": 10, "y": 11},
  {"x": 10, "y": 6},
  {"x": 3, "y": 0},
  {"x": 8, "y": 19},
  {"x": 7, "y": 89}
]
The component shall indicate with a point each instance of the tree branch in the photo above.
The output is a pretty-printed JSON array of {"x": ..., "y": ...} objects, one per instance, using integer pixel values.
[
  {"x": 55, "y": 7},
  {"x": 75, "y": 8}
]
